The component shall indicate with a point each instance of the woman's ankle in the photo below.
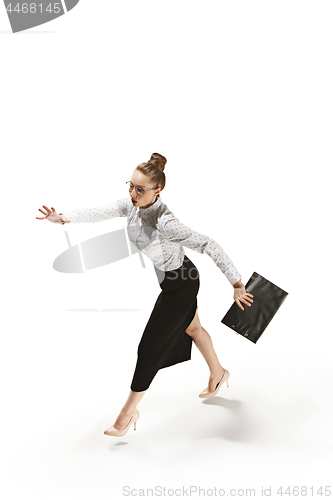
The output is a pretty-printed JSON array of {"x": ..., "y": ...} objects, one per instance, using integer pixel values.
[
  {"x": 217, "y": 371},
  {"x": 128, "y": 409}
]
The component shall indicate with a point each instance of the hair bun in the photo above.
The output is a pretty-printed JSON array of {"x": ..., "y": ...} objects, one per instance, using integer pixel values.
[{"x": 158, "y": 160}]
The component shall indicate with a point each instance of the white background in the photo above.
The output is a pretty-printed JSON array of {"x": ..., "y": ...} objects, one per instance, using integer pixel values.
[{"x": 238, "y": 97}]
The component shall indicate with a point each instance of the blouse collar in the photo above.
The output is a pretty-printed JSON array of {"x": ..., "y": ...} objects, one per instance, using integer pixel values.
[{"x": 151, "y": 209}]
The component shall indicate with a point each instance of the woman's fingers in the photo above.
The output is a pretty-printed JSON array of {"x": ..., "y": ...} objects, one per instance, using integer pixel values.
[
  {"x": 51, "y": 215},
  {"x": 239, "y": 305},
  {"x": 245, "y": 298},
  {"x": 44, "y": 213}
]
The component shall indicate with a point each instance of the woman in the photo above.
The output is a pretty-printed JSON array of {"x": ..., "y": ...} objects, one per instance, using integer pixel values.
[{"x": 174, "y": 322}]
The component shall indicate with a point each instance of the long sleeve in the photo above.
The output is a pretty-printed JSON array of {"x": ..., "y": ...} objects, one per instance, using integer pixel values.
[
  {"x": 111, "y": 210},
  {"x": 173, "y": 230}
]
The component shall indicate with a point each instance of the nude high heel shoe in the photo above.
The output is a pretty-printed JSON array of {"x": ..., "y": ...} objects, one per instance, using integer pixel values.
[
  {"x": 206, "y": 394},
  {"x": 112, "y": 431}
]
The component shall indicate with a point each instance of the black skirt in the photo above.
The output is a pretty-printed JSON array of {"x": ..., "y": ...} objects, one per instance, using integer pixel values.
[{"x": 164, "y": 341}]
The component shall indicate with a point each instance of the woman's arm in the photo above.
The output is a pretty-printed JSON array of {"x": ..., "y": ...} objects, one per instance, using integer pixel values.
[
  {"x": 173, "y": 230},
  {"x": 238, "y": 284},
  {"x": 111, "y": 210}
]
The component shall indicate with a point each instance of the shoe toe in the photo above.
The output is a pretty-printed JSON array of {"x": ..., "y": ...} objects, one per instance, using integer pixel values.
[
  {"x": 204, "y": 393},
  {"x": 111, "y": 430}
]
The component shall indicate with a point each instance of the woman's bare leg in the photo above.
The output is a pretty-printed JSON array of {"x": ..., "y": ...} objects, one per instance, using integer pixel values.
[
  {"x": 204, "y": 343},
  {"x": 128, "y": 409}
]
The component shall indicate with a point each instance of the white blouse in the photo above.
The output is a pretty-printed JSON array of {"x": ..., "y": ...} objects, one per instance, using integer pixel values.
[{"x": 158, "y": 233}]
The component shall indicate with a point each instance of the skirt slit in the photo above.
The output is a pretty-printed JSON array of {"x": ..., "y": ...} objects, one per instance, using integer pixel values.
[{"x": 164, "y": 341}]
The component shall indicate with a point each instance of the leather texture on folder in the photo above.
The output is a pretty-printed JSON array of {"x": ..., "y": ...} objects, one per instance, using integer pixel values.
[{"x": 251, "y": 323}]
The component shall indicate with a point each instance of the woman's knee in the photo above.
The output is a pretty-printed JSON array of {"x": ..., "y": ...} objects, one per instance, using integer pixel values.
[
  {"x": 194, "y": 332},
  {"x": 194, "y": 329}
]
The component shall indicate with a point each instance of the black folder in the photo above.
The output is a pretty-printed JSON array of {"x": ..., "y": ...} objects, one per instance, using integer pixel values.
[{"x": 251, "y": 323}]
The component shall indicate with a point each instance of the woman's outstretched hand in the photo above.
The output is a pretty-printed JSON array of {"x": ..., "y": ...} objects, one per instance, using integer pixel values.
[
  {"x": 241, "y": 295},
  {"x": 52, "y": 216}
]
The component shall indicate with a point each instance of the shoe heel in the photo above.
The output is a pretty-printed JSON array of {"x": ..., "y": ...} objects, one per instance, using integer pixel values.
[
  {"x": 135, "y": 426},
  {"x": 227, "y": 383}
]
